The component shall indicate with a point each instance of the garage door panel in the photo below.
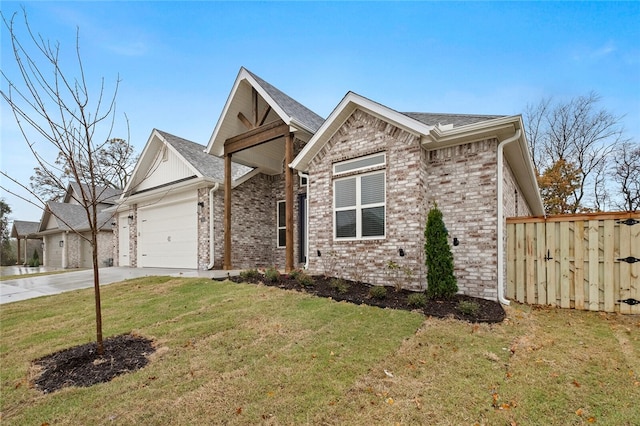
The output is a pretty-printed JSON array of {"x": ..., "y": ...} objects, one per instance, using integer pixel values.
[{"x": 168, "y": 236}]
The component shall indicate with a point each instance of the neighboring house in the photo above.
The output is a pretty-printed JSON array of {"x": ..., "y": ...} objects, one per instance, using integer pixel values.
[
  {"x": 345, "y": 195},
  {"x": 66, "y": 233},
  {"x": 163, "y": 214},
  {"x": 26, "y": 235}
]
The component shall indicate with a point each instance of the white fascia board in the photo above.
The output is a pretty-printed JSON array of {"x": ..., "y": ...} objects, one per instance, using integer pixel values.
[
  {"x": 163, "y": 190},
  {"x": 143, "y": 161},
  {"x": 339, "y": 115},
  {"x": 440, "y": 137}
]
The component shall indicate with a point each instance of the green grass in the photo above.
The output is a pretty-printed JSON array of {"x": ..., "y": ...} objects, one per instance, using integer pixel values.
[{"x": 246, "y": 354}]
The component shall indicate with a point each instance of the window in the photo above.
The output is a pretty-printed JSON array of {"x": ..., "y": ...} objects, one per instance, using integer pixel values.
[
  {"x": 359, "y": 201},
  {"x": 282, "y": 225}
]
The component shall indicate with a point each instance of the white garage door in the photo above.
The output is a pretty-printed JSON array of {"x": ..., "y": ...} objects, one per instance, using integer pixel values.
[
  {"x": 123, "y": 239},
  {"x": 168, "y": 235}
]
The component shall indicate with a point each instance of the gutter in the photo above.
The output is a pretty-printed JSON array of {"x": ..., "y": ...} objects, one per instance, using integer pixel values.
[
  {"x": 500, "y": 184},
  {"x": 211, "y": 227}
]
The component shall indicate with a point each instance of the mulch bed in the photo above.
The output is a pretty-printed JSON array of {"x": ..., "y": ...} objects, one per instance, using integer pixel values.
[
  {"x": 489, "y": 311},
  {"x": 82, "y": 366}
]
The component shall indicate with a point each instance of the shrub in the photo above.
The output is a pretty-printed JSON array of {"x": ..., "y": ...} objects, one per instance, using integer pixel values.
[
  {"x": 272, "y": 274},
  {"x": 249, "y": 274},
  {"x": 296, "y": 273},
  {"x": 378, "y": 292},
  {"x": 469, "y": 307},
  {"x": 441, "y": 283},
  {"x": 304, "y": 279},
  {"x": 417, "y": 300},
  {"x": 35, "y": 259},
  {"x": 339, "y": 285}
]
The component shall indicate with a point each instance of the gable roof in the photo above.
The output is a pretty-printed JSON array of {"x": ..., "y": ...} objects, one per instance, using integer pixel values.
[
  {"x": 203, "y": 166},
  {"x": 290, "y": 111},
  {"x": 206, "y": 164},
  {"x": 436, "y": 131},
  {"x": 105, "y": 194},
  {"x": 24, "y": 229},
  {"x": 71, "y": 217}
]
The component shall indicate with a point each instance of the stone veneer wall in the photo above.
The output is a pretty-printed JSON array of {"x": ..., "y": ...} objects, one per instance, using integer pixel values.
[{"x": 203, "y": 228}]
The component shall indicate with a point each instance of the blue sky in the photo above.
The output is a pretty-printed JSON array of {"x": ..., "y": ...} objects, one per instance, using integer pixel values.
[{"x": 178, "y": 60}]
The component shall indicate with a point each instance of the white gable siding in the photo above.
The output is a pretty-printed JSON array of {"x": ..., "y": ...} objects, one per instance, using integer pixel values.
[{"x": 165, "y": 168}]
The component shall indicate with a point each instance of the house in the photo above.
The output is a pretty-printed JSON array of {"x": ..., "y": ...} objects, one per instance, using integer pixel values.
[
  {"x": 26, "y": 232},
  {"x": 163, "y": 216},
  {"x": 66, "y": 232},
  {"x": 342, "y": 196}
]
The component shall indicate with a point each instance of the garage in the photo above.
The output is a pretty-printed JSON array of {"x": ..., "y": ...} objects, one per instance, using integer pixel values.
[{"x": 168, "y": 235}]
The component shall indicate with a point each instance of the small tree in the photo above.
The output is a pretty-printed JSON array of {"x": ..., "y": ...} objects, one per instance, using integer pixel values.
[{"x": 441, "y": 283}]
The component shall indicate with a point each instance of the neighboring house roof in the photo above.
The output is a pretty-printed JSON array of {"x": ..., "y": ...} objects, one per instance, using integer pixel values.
[
  {"x": 71, "y": 217},
  {"x": 437, "y": 131},
  {"x": 24, "y": 229},
  {"x": 301, "y": 119},
  {"x": 105, "y": 194}
]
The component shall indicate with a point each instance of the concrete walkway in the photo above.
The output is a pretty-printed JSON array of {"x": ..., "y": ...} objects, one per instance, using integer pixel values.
[{"x": 29, "y": 287}]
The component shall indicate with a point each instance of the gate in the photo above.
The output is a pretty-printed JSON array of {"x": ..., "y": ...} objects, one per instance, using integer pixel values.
[{"x": 588, "y": 262}]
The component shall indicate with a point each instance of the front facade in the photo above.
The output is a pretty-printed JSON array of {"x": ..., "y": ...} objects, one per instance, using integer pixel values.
[{"x": 343, "y": 196}]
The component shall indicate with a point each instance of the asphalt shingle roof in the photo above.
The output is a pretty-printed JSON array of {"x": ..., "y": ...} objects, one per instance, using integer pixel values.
[
  {"x": 432, "y": 119},
  {"x": 290, "y": 106},
  {"x": 23, "y": 228},
  {"x": 208, "y": 165},
  {"x": 73, "y": 217}
]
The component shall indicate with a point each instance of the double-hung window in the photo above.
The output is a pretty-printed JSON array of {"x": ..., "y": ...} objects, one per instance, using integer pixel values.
[{"x": 359, "y": 199}]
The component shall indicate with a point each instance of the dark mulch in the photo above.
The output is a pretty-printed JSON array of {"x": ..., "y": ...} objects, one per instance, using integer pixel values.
[
  {"x": 82, "y": 366},
  {"x": 489, "y": 311}
]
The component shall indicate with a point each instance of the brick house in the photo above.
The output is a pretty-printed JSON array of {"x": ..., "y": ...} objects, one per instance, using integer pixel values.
[
  {"x": 348, "y": 194},
  {"x": 66, "y": 233}
]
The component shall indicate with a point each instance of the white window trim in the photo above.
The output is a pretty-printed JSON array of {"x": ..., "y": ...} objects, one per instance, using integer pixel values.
[
  {"x": 278, "y": 225},
  {"x": 358, "y": 169},
  {"x": 358, "y": 208}
]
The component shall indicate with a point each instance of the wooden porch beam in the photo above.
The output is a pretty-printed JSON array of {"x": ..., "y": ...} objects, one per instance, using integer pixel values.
[
  {"x": 288, "y": 185},
  {"x": 245, "y": 121},
  {"x": 255, "y": 137},
  {"x": 227, "y": 212},
  {"x": 264, "y": 115}
]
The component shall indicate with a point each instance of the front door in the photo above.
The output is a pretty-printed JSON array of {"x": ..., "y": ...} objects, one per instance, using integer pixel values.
[{"x": 302, "y": 228}]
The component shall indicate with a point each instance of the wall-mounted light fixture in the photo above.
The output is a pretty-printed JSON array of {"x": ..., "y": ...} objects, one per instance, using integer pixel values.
[
  {"x": 319, "y": 254},
  {"x": 113, "y": 223},
  {"x": 456, "y": 242},
  {"x": 61, "y": 243},
  {"x": 401, "y": 252},
  {"x": 130, "y": 217},
  {"x": 201, "y": 204},
  {"x": 42, "y": 245}
]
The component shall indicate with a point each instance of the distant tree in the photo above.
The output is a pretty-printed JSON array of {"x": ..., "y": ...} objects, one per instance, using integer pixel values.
[
  {"x": 55, "y": 106},
  {"x": 580, "y": 133},
  {"x": 114, "y": 163},
  {"x": 6, "y": 252},
  {"x": 627, "y": 175},
  {"x": 441, "y": 282},
  {"x": 558, "y": 184}
]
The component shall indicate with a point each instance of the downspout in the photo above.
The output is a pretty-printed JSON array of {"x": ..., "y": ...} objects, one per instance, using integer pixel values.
[
  {"x": 306, "y": 228},
  {"x": 501, "y": 145},
  {"x": 212, "y": 227}
]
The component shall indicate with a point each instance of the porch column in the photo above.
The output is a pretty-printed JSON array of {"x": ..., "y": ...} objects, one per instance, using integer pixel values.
[
  {"x": 18, "y": 261},
  {"x": 288, "y": 189},
  {"x": 227, "y": 212}
]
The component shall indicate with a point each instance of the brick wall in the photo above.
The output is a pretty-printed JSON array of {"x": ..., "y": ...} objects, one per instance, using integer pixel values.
[{"x": 460, "y": 179}]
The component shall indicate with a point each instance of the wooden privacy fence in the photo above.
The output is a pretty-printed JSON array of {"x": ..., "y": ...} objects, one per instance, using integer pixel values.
[{"x": 588, "y": 262}]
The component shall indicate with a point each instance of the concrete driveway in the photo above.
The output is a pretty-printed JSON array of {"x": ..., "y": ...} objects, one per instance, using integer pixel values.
[{"x": 45, "y": 285}]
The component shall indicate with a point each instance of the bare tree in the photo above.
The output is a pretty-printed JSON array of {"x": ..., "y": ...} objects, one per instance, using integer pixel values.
[
  {"x": 627, "y": 175},
  {"x": 578, "y": 132},
  {"x": 54, "y": 105},
  {"x": 114, "y": 163}
]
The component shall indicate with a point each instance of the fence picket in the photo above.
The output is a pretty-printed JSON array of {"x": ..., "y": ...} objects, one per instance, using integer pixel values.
[
  {"x": 594, "y": 265},
  {"x": 608, "y": 273},
  {"x": 578, "y": 262},
  {"x": 541, "y": 252}
]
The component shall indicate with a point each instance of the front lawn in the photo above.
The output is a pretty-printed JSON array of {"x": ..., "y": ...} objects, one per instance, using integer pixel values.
[{"x": 248, "y": 354}]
